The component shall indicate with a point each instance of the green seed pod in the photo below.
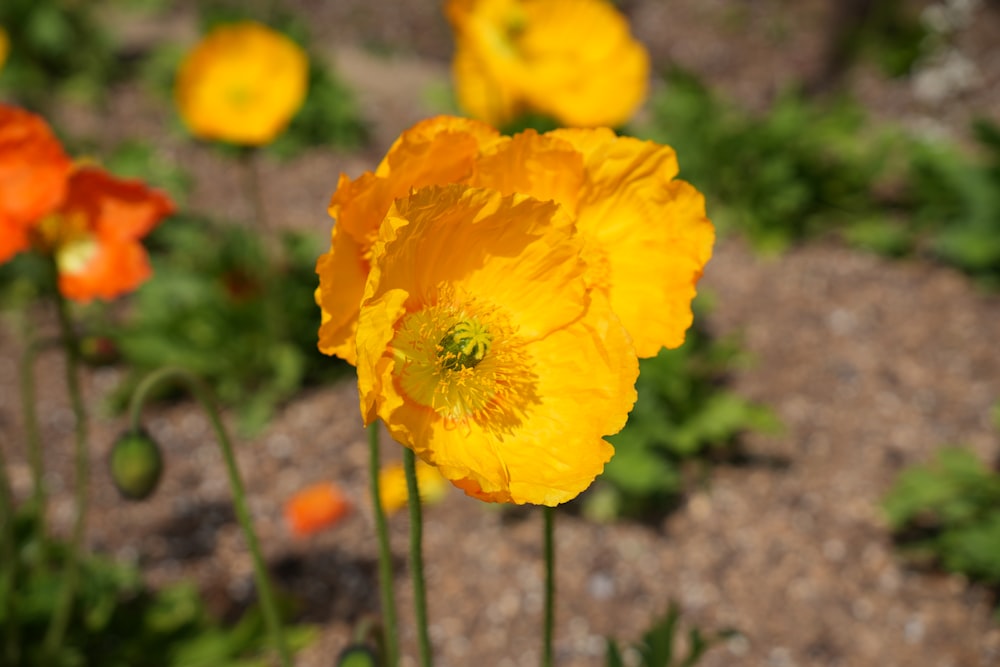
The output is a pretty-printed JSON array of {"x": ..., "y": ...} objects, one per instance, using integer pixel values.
[
  {"x": 356, "y": 655},
  {"x": 136, "y": 465}
]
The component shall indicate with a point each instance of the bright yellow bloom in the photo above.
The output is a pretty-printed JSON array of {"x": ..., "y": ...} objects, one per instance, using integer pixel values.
[
  {"x": 574, "y": 60},
  {"x": 483, "y": 348},
  {"x": 242, "y": 84},
  {"x": 645, "y": 234},
  {"x": 435, "y": 151},
  {"x": 392, "y": 486}
]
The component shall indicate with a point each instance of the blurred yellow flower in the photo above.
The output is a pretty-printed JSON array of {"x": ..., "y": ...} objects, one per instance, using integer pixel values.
[
  {"x": 242, "y": 84},
  {"x": 4, "y": 47},
  {"x": 573, "y": 60},
  {"x": 645, "y": 234},
  {"x": 483, "y": 348},
  {"x": 392, "y": 486}
]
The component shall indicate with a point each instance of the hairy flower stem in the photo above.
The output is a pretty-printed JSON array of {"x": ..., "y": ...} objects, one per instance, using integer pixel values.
[
  {"x": 417, "y": 556},
  {"x": 384, "y": 554},
  {"x": 550, "y": 585},
  {"x": 64, "y": 606},
  {"x": 203, "y": 395},
  {"x": 9, "y": 574}
]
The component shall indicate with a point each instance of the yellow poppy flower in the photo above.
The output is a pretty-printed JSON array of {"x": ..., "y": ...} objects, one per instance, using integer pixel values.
[
  {"x": 646, "y": 237},
  {"x": 574, "y": 60},
  {"x": 483, "y": 348},
  {"x": 241, "y": 84},
  {"x": 436, "y": 151},
  {"x": 393, "y": 491}
]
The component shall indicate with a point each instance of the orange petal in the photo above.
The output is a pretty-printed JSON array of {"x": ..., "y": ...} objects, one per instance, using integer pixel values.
[
  {"x": 33, "y": 173},
  {"x": 316, "y": 507}
]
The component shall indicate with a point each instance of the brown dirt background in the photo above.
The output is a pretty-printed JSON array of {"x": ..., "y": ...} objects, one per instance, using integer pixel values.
[{"x": 870, "y": 364}]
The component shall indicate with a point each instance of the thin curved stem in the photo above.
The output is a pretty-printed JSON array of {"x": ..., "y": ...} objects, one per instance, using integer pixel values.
[
  {"x": 203, "y": 395},
  {"x": 417, "y": 556},
  {"x": 388, "y": 598},
  {"x": 71, "y": 344},
  {"x": 550, "y": 585}
]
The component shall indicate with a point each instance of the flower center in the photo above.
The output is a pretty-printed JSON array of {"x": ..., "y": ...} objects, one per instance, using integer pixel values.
[
  {"x": 464, "y": 345},
  {"x": 465, "y": 362},
  {"x": 68, "y": 238}
]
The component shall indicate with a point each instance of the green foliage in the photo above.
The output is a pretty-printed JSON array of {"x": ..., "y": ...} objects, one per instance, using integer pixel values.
[
  {"x": 788, "y": 175},
  {"x": 891, "y": 36},
  {"x": 949, "y": 512},
  {"x": 118, "y": 621},
  {"x": 804, "y": 170},
  {"x": 55, "y": 45},
  {"x": 233, "y": 308},
  {"x": 658, "y": 645},
  {"x": 682, "y": 413},
  {"x": 137, "y": 159}
]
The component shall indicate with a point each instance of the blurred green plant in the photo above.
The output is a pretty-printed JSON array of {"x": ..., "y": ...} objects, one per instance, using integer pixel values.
[
  {"x": 948, "y": 513},
  {"x": 231, "y": 309},
  {"x": 659, "y": 644},
  {"x": 805, "y": 169},
  {"x": 779, "y": 178},
  {"x": 55, "y": 45},
  {"x": 683, "y": 414},
  {"x": 118, "y": 621}
]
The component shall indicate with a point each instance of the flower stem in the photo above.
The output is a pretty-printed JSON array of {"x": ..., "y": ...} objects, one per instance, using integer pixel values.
[
  {"x": 203, "y": 395},
  {"x": 550, "y": 584},
  {"x": 9, "y": 575},
  {"x": 384, "y": 554},
  {"x": 417, "y": 556},
  {"x": 60, "y": 618},
  {"x": 30, "y": 416}
]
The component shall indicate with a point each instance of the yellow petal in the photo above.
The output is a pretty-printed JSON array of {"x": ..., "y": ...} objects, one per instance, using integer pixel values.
[{"x": 647, "y": 235}]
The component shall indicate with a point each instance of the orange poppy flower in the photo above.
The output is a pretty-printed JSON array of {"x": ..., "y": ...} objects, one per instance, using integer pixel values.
[
  {"x": 88, "y": 220},
  {"x": 316, "y": 507},
  {"x": 33, "y": 174}
]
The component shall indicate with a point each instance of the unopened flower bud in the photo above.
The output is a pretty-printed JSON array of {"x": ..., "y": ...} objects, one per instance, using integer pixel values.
[{"x": 136, "y": 465}]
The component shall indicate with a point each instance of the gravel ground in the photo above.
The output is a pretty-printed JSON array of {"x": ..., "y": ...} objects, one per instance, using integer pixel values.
[{"x": 871, "y": 365}]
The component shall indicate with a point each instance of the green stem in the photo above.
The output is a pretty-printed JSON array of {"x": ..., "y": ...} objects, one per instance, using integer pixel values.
[
  {"x": 417, "y": 556},
  {"x": 384, "y": 553},
  {"x": 550, "y": 585},
  {"x": 30, "y": 416},
  {"x": 203, "y": 395},
  {"x": 60, "y": 618},
  {"x": 9, "y": 575}
]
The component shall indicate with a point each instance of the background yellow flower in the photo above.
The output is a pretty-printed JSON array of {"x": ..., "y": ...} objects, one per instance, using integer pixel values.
[
  {"x": 393, "y": 491},
  {"x": 4, "y": 47},
  {"x": 242, "y": 84},
  {"x": 483, "y": 349},
  {"x": 574, "y": 60}
]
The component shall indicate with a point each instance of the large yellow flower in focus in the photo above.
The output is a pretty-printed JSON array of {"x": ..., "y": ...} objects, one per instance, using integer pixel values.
[
  {"x": 645, "y": 234},
  {"x": 242, "y": 84},
  {"x": 436, "y": 151},
  {"x": 574, "y": 60},
  {"x": 484, "y": 349}
]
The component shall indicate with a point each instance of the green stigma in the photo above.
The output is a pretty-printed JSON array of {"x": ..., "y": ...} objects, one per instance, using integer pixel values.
[{"x": 464, "y": 345}]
